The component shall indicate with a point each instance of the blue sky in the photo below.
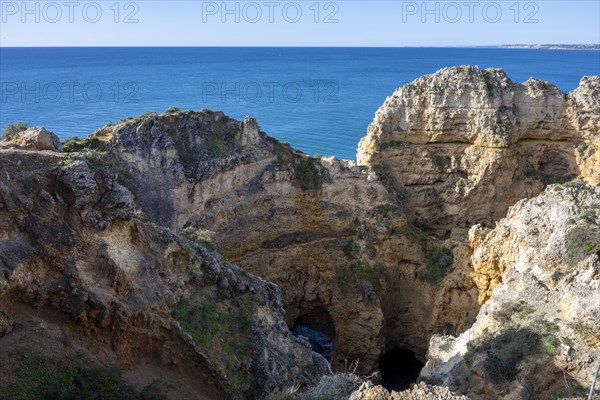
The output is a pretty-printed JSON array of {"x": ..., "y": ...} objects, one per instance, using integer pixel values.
[{"x": 299, "y": 23}]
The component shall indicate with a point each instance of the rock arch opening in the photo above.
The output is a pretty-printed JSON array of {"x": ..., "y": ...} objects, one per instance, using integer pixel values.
[
  {"x": 399, "y": 368},
  {"x": 316, "y": 325}
]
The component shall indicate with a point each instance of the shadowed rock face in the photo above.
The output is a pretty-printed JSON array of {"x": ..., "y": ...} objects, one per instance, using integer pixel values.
[
  {"x": 464, "y": 144},
  {"x": 73, "y": 254}
]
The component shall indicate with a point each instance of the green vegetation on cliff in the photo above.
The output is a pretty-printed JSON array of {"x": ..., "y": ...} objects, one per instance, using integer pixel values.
[
  {"x": 41, "y": 378},
  {"x": 227, "y": 332},
  {"x": 438, "y": 260},
  {"x": 12, "y": 130}
]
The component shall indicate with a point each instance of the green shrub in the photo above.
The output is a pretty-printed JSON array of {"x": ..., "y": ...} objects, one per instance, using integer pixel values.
[
  {"x": 357, "y": 273},
  {"x": 521, "y": 309},
  {"x": 332, "y": 387},
  {"x": 74, "y": 144},
  {"x": 41, "y": 378},
  {"x": 203, "y": 237},
  {"x": 551, "y": 344},
  {"x": 98, "y": 159},
  {"x": 556, "y": 275},
  {"x": 442, "y": 162},
  {"x": 582, "y": 241},
  {"x": 439, "y": 261},
  {"x": 226, "y": 332},
  {"x": 414, "y": 235},
  {"x": 308, "y": 174},
  {"x": 172, "y": 110},
  {"x": 582, "y": 147},
  {"x": 202, "y": 320},
  {"x": 351, "y": 248},
  {"x": 548, "y": 326},
  {"x": 566, "y": 341},
  {"x": 215, "y": 146},
  {"x": 504, "y": 352},
  {"x": 12, "y": 130}
]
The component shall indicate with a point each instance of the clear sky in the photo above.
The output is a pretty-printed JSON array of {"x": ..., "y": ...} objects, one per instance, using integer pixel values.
[{"x": 297, "y": 23}]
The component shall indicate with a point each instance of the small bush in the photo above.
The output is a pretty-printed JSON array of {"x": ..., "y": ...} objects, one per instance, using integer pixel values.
[
  {"x": 98, "y": 159},
  {"x": 414, "y": 235},
  {"x": 439, "y": 261},
  {"x": 442, "y": 162},
  {"x": 216, "y": 147},
  {"x": 351, "y": 248},
  {"x": 12, "y": 130},
  {"x": 172, "y": 110},
  {"x": 357, "y": 273},
  {"x": 203, "y": 237},
  {"x": 566, "y": 341},
  {"x": 41, "y": 378},
  {"x": 551, "y": 344},
  {"x": 201, "y": 320},
  {"x": 582, "y": 241},
  {"x": 332, "y": 387},
  {"x": 74, "y": 144},
  {"x": 226, "y": 332},
  {"x": 504, "y": 352},
  {"x": 308, "y": 174},
  {"x": 556, "y": 275}
]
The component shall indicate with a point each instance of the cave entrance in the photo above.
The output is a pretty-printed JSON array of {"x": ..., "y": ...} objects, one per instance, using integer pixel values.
[
  {"x": 399, "y": 368},
  {"x": 316, "y": 326}
]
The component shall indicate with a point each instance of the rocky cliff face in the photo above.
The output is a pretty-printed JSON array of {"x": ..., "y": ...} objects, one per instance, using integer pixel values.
[
  {"x": 329, "y": 233},
  {"x": 77, "y": 260},
  {"x": 537, "y": 335},
  {"x": 114, "y": 243},
  {"x": 463, "y": 145}
]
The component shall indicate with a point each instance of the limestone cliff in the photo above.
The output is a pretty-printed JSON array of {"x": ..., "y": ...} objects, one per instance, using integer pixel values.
[
  {"x": 82, "y": 270},
  {"x": 463, "y": 145},
  {"x": 114, "y": 244},
  {"x": 329, "y": 233},
  {"x": 537, "y": 335}
]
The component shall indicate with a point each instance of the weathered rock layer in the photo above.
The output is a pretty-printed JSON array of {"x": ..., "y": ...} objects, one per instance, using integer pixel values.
[{"x": 463, "y": 145}]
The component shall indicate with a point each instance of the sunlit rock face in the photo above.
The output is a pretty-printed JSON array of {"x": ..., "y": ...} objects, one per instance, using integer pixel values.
[{"x": 463, "y": 145}]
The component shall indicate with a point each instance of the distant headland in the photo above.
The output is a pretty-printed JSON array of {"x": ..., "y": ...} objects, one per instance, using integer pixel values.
[{"x": 552, "y": 46}]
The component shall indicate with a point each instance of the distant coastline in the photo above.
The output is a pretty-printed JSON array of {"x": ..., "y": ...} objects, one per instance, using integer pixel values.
[{"x": 551, "y": 46}]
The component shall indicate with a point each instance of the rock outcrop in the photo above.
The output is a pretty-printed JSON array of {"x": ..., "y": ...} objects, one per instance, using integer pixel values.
[
  {"x": 36, "y": 138},
  {"x": 536, "y": 336},
  {"x": 75, "y": 253},
  {"x": 329, "y": 233},
  {"x": 112, "y": 246},
  {"x": 462, "y": 145}
]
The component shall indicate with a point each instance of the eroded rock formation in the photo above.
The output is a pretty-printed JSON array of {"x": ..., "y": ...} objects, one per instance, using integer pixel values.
[
  {"x": 114, "y": 243},
  {"x": 463, "y": 145},
  {"x": 74, "y": 255},
  {"x": 537, "y": 334},
  {"x": 329, "y": 233}
]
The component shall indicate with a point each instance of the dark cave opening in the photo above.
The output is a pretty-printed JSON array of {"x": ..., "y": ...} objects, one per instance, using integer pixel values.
[
  {"x": 316, "y": 326},
  {"x": 399, "y": 368}
]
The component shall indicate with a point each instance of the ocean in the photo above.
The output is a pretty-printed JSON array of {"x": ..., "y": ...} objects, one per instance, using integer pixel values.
[{"x": 320, "y": 100}]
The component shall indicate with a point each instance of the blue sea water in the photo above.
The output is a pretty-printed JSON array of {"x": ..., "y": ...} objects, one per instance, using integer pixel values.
[{"x": 321, "y": 100}]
